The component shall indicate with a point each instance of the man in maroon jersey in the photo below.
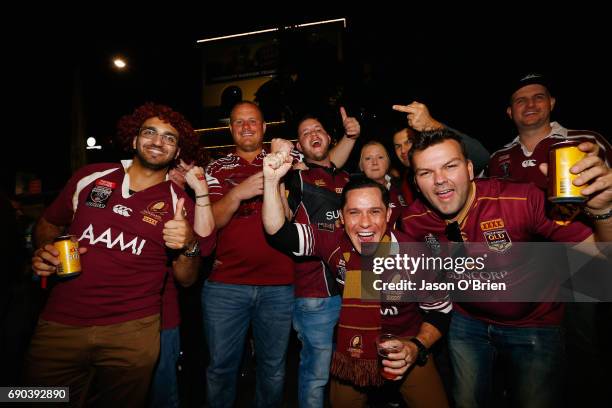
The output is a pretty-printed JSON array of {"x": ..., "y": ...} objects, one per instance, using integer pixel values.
[
  {"x": 313, "y": 196},
  {"x": 251, "y": 283},
  {"x": 365, "y": 214},
  {"x": 530, "y": 108},
  {"x": 526, "y": 336},
  {"x": 102, "y": 327}
]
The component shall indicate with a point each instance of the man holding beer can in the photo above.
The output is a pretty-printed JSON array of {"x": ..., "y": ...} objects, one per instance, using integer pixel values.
[
  {"x": 541, "y": 140},
  {"x": 99, "y": 331}
]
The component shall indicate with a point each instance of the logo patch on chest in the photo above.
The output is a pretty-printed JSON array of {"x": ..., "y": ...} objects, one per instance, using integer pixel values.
[
  {"x": 155, "y": 212},
  {"x": 100, "y": 193},
  {"x": 498, "y": 240}
]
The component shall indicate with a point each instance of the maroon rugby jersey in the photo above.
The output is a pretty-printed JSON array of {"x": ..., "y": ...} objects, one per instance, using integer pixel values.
[
  {"x": 517, "y": 212},
  {"x": 334, "y": 248},
  {"x": 314, "y": 197},
  {"x": 514, "y": 162},
  {"x": 126, "y": 261},
  {"x": 243, "y": 256}
]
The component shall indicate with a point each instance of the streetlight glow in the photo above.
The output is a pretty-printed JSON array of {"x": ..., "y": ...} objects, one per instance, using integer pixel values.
[{"x": 119, "y": 63}]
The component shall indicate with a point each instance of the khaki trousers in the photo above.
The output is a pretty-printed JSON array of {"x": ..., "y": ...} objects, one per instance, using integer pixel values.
[
  {"x": 106, "y": 366},
  {"x": 420, "y": 388}
]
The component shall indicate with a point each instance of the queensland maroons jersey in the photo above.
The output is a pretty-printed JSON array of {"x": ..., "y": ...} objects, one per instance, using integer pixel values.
[
  {"x": 243, "y": 256},
  {"x": 314, "y": 197},
  {"x": 126, "y": 261},
  {"x": 514, "y": 162},
  {"x": 498, "y": 214}
]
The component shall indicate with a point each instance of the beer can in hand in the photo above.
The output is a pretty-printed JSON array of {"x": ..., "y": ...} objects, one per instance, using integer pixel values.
[
  {"x": 70, "y": 260},
  {"x": 561, "y": 157}
]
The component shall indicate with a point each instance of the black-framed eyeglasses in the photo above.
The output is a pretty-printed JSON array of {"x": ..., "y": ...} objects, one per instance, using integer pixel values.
[{"x": 151, "y": 133}]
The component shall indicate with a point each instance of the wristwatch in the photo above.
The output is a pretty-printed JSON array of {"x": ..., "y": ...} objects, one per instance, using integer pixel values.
[
  {"x": 421, "y": 359},
  {"x": 193, "y": 251}
]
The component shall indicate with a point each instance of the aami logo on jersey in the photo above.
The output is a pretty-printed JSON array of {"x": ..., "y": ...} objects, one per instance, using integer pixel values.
[
  {"x": 320, "y": 183},
  {"x": 135, "y": 245},
  {"x": 154, "y": 212},
  {"x": 332, "y": 215},
  {"x": 100, "y": 193}
]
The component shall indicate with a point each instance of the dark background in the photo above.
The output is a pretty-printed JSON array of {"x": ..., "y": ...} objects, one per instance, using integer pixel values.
[{"x": 459, "y": 64}]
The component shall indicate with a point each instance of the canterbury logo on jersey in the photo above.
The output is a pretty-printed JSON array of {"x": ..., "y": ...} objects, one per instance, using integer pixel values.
[
  {"x": 529, "y": 163},
  {"x": 122, "y": 210},
  {"x": 135, "y": 245}
]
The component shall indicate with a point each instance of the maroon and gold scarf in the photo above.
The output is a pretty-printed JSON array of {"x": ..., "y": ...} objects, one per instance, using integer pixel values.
[{"x": 355, "y": 359}]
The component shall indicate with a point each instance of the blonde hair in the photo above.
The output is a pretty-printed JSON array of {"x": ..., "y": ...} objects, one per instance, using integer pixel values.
[{"x": 375, "y": 143}]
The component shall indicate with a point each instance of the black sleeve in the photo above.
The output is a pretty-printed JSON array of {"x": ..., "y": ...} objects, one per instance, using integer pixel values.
[
  {"x": 293, "y": 187},
  {"x": 286, "y": 239},
  {"x": 439, "y": 320}
]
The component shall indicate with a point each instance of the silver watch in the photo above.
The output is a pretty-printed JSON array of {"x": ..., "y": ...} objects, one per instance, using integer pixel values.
[{"x": 193, "y": 251}]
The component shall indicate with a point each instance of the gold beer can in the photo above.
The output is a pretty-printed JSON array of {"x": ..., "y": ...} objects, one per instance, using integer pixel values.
[
  {"x": 561, "y": 157},
  {"x": 70, "y": 260}
]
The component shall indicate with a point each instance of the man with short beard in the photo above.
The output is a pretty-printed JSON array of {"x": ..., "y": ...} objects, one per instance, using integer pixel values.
[{"x": 99, "y": 332}]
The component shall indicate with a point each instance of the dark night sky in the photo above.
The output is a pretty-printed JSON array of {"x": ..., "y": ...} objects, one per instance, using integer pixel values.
[{"x": 458, "y": 66}]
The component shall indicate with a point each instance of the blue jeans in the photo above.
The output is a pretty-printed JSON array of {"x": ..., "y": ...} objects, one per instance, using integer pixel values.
[
  {"x": 228, "y": 310},
  {"x": 164, "y": 388},
  {"x": 314, "y": 320},
  {"x": 532, "y": 361}
]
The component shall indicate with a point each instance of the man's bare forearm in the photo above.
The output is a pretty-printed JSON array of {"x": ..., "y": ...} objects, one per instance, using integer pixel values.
[
  {"x": 224, "y": 209},
  {"x": 273, "y": 211},
  {"x": 204, "y": 221},
  {"x": 45, "y": 232},
  {"x": 428, "y": 334},
  {"x": 602, "y": 230},
  {"x": 186, "y": 269},
  {"x": 340, "y": 153}
]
